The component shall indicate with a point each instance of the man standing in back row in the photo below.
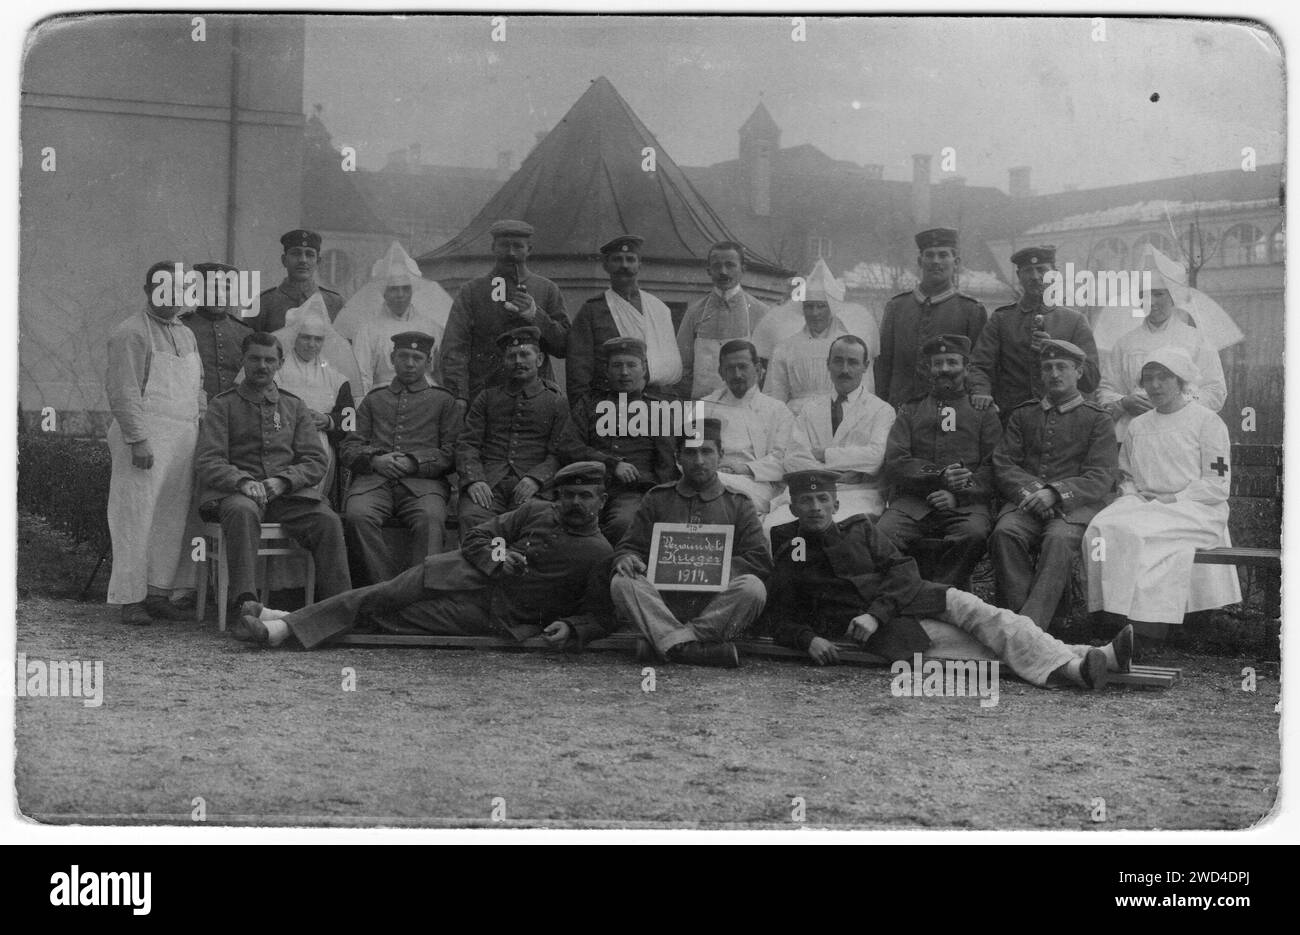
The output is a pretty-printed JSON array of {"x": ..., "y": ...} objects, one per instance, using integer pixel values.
[
  {"x": 510, "y": 296},
  {"x": 300, "y": 259},
  {"x": 911, "y": 319},
  {"x": 624, "y": 310},
  {"x": 727, "y": 313},
  {"x": 1005, "y": 362}
]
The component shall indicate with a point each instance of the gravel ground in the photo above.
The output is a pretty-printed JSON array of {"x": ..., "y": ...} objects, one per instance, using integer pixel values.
[{"x": 446, "y": 737}]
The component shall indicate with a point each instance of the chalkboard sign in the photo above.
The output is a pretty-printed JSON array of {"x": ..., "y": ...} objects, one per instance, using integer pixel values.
[{"x": 690, "y": 558}]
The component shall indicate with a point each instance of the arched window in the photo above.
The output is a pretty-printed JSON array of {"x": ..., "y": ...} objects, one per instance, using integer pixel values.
[
  {"x": 1244, "y": 245},
  {"x": 335, "y": 268},
  {"x": 1108, "y": 254},
  {"x": 1277, "y": 245},
  {"x": 1159, "y": 241}
]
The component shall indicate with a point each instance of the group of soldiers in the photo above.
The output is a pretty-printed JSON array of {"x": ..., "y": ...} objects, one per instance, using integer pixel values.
[{"x": 855, "y": 514}]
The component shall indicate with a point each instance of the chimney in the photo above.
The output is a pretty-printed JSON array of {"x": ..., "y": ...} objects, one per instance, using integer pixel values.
[
  {"x": 505, "y": 162},
  {"x": 874, "y": 170},
  {"x": 1018, "y": 186},
  {"x": 921, "y": 190},
  {"x": 760, "y": 138}
]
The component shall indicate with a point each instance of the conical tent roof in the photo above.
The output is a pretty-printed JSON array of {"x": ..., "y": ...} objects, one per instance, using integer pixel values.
[{"x": 587, "y": 182}]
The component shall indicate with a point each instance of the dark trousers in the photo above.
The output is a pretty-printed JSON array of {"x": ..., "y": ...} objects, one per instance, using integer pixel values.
[
  {"x": 616, "y": 517},
  {"x": 364, "y": 518},
  {"x": 400, "y": 605},
  {"x": 1034, "y": 591},
  {"x": 965, "y": 537},
  {"x": 310, "y": 523},
  {"x": 471, "y": 514}
]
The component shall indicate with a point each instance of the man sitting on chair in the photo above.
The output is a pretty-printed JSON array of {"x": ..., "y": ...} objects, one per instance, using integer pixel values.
[
  {"x": 258, "y": 460},
  {"x": 939, "y": 463},
  {"x": 845, "y": 431},
  {"x": 400, "y": 455}
]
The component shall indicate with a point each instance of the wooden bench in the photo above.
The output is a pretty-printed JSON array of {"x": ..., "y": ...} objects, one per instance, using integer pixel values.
[{"x": 1256, "y": 475}]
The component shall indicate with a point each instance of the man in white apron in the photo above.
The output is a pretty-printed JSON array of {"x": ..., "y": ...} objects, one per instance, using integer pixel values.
[
  {"x": 755, "y": 428},
  {"x": 624, "y": 310},
  {"x": 154, "y": 383},
  {"x": 727, "y": 313}
]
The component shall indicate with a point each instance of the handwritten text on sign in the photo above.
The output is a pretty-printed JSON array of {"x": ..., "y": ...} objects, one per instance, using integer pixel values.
[{"x": 690, "y": 558}]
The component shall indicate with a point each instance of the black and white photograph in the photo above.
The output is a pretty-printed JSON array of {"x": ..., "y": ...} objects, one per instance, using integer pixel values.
[{"x": 756, "y": 421}]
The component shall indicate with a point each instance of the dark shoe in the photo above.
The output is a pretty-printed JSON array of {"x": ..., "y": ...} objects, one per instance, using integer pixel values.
[
  {"x": 1093, "y": 669},
  {"x": 1123, "y": 645},
  {"x": 187, "y": 603},
  {"x": 718, "y": 655},
  {"x": 135, "y": 615},
  {"x": 161, "y": 608},
  {"x": 246, "y": 606},
  {"x": 249, "y": 629}
]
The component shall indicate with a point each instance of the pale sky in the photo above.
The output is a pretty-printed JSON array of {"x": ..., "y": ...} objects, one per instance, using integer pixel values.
[{"x": 1001, "y": 91}]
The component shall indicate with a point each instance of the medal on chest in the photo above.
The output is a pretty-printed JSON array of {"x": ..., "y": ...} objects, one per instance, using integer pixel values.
[{"x": 275, "y": 420}]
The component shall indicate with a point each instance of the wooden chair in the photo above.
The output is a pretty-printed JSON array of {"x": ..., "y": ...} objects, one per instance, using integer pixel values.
[{"x": 274, "y": 542}]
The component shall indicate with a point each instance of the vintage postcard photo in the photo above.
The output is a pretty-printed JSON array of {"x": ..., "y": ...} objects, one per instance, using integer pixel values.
[{"x": 682, "y": 422}]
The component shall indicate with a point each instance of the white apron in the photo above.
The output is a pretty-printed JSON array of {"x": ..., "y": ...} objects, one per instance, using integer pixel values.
[
  {"x": 1148, "y": 572},
  {"x": 147, "y": 510}
]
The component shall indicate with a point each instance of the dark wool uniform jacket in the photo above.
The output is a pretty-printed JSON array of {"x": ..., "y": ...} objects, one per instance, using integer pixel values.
[
  {"x": 714, "y": 505},
  {"x": 470, "y": 359},
  {"x": 220, "y": 337},
  {"x": 850, "y": 569},
  {"x": 247, "y": 435},
  {"x": 654, "y": 456},
  {"x": 420, "y": 421},
  {"x": 567, "y": 576},
  {"x": 274, "y": 304},
  {"x": 901, "y": 372},
  {"x": 925, "y": 438},
  {"x": 526, "y": 431},
  {"x": 1070, "y": 448},
  {"x": 1006, "y": 367}
]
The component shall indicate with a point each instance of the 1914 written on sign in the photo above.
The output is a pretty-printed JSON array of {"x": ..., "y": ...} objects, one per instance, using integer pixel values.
[{"x": 690, "y": 558}]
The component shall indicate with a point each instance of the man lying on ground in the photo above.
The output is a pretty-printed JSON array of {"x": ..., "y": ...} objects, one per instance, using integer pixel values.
[
  {"x": 542, "y": 569},
  {"x": 834, "y": 580}
]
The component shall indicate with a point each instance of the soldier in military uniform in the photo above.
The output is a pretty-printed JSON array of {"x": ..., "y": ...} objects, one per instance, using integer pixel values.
[
  {"x": 622, "y": 310},
  {"x": 846, "y": 579},
  {"x": 712, "y": 619},
  {"x": 550, "y": 580},
  {"x": 939, "y": 465},
  {"x": 1055, "y": 468},
  {"x": 1005, "y": 362},
  {"x": 516, "y": 436},
  {"x": 258, "y": 460},
  {"x": 301, "y": 254},
  {"x": 480, "y": 315},
  {"x": 400, "y": 455},
  {"x": 219, "y": 332},
  {"x": 911, "y": 319},
  {"x": 636, "y": 462}
]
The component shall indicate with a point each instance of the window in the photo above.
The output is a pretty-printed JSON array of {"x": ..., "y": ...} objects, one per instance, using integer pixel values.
[
  {"x": 1277, "y": 245},
  {"x": 1159, "y": 242},
  {"x": 819, "y": 247},
  {"x": 1108, "y": 254},
  {"x": 1244, "y": 245},
  {"x": 335, "y": 268}
]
